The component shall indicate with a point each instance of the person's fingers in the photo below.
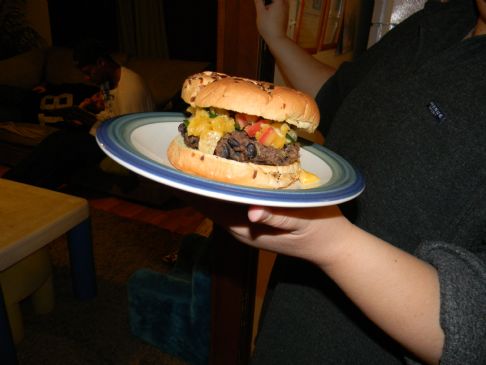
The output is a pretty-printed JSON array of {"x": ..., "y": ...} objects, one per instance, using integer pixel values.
[
  {"x": 291, "y": 219},
  {"x": 274, "y": 218},
  {"x": 257, "y": 214}
]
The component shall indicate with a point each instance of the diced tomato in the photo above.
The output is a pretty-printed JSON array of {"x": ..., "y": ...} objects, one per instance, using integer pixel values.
[
  {"x": 244, "y": 119},
  {"x": 268, "y": 136},
  {"x": 252, "y": 129},
  {"x": 241, "y": 120}
]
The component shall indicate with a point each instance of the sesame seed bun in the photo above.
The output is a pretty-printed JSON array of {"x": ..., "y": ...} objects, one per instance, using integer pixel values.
[{"x": 278, "y": 103}]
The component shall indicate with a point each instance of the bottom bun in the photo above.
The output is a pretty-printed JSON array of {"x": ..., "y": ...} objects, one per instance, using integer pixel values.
[{"x": 221, "y": 169}]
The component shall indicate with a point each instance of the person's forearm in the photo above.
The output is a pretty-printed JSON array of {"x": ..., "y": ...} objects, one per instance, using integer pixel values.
[
  {"x": 300, "y": 69},
  {"x": 396, "y": 290}
]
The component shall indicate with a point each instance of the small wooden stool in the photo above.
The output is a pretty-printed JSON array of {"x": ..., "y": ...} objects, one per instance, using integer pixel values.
[{"x": 31, "y": 218}]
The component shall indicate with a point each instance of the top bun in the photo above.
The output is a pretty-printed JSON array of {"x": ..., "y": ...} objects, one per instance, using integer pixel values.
[{"x": 279, "y": 103}]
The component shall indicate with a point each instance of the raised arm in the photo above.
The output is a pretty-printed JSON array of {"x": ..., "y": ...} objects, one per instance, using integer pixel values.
[{"x": 300, "y": 69}]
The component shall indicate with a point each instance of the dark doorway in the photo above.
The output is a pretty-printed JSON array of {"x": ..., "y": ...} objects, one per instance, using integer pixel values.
[
  {"x": 72, "y": 21},
  {"x": 191, "y": 25}
]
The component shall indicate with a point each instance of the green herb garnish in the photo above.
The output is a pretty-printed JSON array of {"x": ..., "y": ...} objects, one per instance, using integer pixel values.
[{"x": 291, "y": 137}]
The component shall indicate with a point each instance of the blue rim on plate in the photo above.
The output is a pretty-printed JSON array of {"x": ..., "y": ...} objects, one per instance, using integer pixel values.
[{"x": 146, "y": 156}]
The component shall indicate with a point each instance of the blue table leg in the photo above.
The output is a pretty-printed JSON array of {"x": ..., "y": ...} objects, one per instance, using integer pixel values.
[
  {"x": 82, "y": 260},
  {"x": 8, "y": 353}
]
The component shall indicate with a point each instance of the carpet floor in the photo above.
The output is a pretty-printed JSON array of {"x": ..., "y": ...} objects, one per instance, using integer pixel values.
[{"x": 97, "y": 331}]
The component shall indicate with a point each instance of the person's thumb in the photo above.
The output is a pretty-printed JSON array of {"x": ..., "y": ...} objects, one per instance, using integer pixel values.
[{"x": 271, "y": 218}]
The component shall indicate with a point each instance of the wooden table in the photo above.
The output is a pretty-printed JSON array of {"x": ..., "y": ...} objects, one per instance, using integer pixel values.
[{"x": 32, "y": 217}]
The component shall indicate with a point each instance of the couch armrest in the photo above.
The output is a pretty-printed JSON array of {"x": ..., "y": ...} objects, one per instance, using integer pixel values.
[{"x": 23, "y": 70}]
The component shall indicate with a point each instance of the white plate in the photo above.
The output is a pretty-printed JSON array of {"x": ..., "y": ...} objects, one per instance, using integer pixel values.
[{"x": 139, "y": 142}]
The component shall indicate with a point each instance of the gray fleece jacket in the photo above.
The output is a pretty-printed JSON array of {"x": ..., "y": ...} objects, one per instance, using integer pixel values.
[{"x": 410, "y": 113}]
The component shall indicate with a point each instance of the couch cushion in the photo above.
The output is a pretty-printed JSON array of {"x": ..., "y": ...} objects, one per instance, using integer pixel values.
[
  {"x": 164, "y": 77},
  {"x": 23, "y": 70}
]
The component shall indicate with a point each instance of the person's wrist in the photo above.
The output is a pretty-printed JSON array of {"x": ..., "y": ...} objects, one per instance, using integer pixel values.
[
  {"x": 275, "y": 38},
  {"x": 337, "y": 244},
  {"x": 278, "y": 45}
]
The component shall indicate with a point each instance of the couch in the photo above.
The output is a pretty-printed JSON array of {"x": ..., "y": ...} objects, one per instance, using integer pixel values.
[{"x": 54, "y": 66}]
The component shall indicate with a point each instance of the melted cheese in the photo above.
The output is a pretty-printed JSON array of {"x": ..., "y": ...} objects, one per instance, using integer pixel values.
[{"x": 308, "y": 179}]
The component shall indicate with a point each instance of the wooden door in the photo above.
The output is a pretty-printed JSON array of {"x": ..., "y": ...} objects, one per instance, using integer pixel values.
[
  {"x": 238, "y": 41},
  {"x": 233, "y": 280}
]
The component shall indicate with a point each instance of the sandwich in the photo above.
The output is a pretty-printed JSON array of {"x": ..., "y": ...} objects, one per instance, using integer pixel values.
[{"x": 242, "y": 131}]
